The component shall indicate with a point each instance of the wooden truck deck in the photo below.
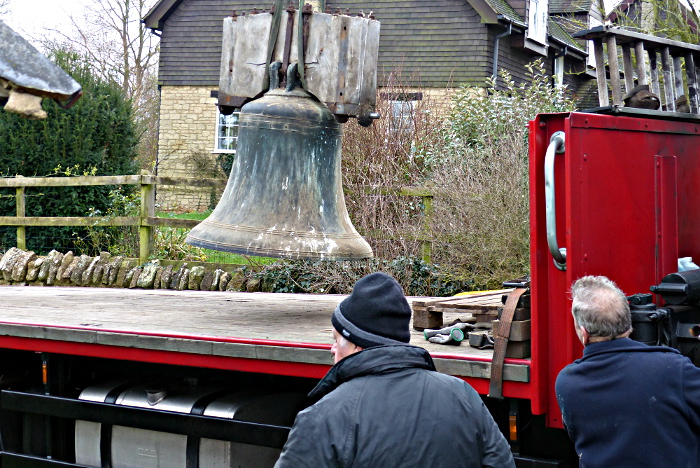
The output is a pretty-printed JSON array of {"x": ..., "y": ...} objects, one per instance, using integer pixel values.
[{"x": 224, "y": 327}]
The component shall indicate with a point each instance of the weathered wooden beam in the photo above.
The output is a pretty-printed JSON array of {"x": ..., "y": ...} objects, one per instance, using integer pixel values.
[
  {"x": 668, "y": 79},
  {"x": 147, "y": 210},
  {"x": 69, "y": 181},
  {"x": 641, "y": 68},
  {"x": 623, "y": 36},
  {"x": 627, "y": 67},
  {"x": 109, "y": 180},
  {"x": 678, "y": 76},
  {"x": 603, "y": 98},
  {"x": 427, "y": 245},
  {"x": 20, "y": 202},
  {"x": 614, "y": 71},
  {"x": 692, "y": 79},
  {"x": 654, "y": 71},
  {"x": 68, "y": 221}
]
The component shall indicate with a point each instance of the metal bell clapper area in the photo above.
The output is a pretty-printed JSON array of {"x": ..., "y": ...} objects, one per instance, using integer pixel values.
[{"x": 284, "y": 196}]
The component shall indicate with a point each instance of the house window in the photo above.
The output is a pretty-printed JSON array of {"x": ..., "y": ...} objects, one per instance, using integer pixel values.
[
  {"x": 537, "y": 26},
  {"x": 401, "y": 110},
  {"x": 226, "y": 132},
  {"x": 559, "y": 71}
]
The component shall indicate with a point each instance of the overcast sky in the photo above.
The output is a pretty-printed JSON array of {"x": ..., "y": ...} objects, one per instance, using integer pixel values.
[{"x": 30, "y": 17}]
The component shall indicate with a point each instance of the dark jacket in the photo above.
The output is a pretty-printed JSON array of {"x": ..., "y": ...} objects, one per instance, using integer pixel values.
[
  {"x": 626, "y": 404},
  {"x": 387, "y": 407}
]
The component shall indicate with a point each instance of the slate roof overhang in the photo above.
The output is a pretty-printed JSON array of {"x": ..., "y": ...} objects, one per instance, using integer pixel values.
[
  {"x": 491, "y": 11},
  {"x": 559, "y": 38},
  {"x": 155, "y": 18},
  {"x": 570, "y": 6},
  {"x": 496, "y": 11}
]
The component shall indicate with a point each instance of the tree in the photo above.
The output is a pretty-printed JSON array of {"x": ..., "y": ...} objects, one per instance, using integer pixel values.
[
  {"x": 672, "y": 19},
  {"x": 95, "y": 137},
  {"x": 121, "y": 50},
  {"x": 675, "y": 19}
]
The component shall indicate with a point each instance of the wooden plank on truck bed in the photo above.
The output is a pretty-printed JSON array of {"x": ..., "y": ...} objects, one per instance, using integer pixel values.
[
  {"x": 269, "y": 326},
  {"x": 428, "y": 312}
]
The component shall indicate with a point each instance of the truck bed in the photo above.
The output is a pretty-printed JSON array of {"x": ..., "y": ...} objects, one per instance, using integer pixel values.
[{"x": 287, "y": 334}]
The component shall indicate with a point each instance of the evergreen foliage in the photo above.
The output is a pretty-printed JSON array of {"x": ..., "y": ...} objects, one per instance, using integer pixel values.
[{"x": 95, "y": 137}]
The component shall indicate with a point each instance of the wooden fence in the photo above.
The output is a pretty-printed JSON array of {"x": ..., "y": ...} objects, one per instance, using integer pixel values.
[{"x": 147, "y": 220}]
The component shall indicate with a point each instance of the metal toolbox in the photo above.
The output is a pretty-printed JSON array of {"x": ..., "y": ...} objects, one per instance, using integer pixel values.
[{"x": 132, "y": 447}]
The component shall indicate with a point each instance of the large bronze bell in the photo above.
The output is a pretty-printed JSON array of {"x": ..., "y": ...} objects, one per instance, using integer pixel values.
[{"x": 284, "y": 196}]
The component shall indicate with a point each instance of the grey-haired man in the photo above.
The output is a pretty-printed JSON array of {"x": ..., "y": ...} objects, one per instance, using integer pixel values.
[{"x": 625, "y": 403}]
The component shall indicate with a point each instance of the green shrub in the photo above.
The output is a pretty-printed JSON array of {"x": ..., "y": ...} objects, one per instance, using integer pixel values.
[{"x": 96, "y": 136}]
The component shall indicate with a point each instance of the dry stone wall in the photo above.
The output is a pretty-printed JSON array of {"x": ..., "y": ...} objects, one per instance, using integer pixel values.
[{"x": 19, "y": 267}]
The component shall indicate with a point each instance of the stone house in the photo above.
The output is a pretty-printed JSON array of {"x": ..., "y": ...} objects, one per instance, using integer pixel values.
[{"x": 430, "y": 46}]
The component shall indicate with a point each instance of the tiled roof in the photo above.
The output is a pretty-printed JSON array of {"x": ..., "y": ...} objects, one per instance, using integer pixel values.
[
  {"x": 560, "y": 34},
  {"x": 503, "y": 8},
  {"x": 569, "y": 6}
]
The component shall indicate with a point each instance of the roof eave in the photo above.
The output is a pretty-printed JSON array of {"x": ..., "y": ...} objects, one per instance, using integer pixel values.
[
  {"x": 155, "y": 18},
  {"x": 505, "y": 19},
  {"x": 571, "y": 51}
]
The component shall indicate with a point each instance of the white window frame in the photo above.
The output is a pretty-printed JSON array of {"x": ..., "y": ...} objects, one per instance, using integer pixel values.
[
  {"x": 559, "y": 72},
  {"x": 401, "y": 114},
  {"x": 537, "y": 21},
  {"x": 402, "y": 107},
  {"x": 226, "y": 136}
]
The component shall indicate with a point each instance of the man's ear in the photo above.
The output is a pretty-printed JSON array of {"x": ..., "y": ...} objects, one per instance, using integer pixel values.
[{"x": 583, "y": 335}]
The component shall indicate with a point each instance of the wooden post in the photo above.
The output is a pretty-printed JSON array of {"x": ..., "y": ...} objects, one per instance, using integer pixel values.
[
  {"x": 21, "y": 203},
  {"x": 603, "y": 99},
  {"x": 654, "y": 68},
  {"x": 678, "y": 77},
  {"x": 667, "y": 66},
  {"x": 614, "y": 71},
  {"x": 427, "y": 243},
  {"x": 627, "y": 67},
  {"x": 692, "y": 78},
  {"x": 639, "y": 56},
  {"x": 148, "y": 210}
]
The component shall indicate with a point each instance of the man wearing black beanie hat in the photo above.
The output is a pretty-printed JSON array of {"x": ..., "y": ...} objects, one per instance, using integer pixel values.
[{"x": 383, "y": 404}]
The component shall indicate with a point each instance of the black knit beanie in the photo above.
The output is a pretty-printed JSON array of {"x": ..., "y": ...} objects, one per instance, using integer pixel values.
[{"x": 376, "y": 313}]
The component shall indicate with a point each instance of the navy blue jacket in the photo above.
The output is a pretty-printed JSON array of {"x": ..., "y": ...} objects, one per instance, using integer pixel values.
[
  {"x": 626, "y": 404},
  {"x": 387, "y": 407}
]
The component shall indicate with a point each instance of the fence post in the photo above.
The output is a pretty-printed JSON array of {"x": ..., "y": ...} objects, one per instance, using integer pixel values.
[
  {"x": 427, "y": 243},
  {"x": 148, "y": 210},
  {"x": 20, "y": 201}
]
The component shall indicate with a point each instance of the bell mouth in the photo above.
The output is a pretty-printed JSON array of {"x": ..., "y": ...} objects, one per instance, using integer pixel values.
[{"x": 279, "y": 243}]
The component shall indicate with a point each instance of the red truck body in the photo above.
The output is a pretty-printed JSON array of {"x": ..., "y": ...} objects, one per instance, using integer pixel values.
[{"x": 626, "y": 207}]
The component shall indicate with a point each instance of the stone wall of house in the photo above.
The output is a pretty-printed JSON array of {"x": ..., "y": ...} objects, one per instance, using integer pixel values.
[{"x": 186, "y": 142}]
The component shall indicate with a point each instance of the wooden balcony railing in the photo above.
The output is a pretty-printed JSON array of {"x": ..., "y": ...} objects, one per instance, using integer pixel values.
[{"x": 676, "y": 77}]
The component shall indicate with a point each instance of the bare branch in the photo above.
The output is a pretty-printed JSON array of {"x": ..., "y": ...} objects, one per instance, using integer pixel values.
[{"x": 120, "y": 48}]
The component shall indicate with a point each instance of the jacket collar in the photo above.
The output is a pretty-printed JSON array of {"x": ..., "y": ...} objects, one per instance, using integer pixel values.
[
  {"x": 373, "y": 361},
  {"x": 621, "y": 345}
]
